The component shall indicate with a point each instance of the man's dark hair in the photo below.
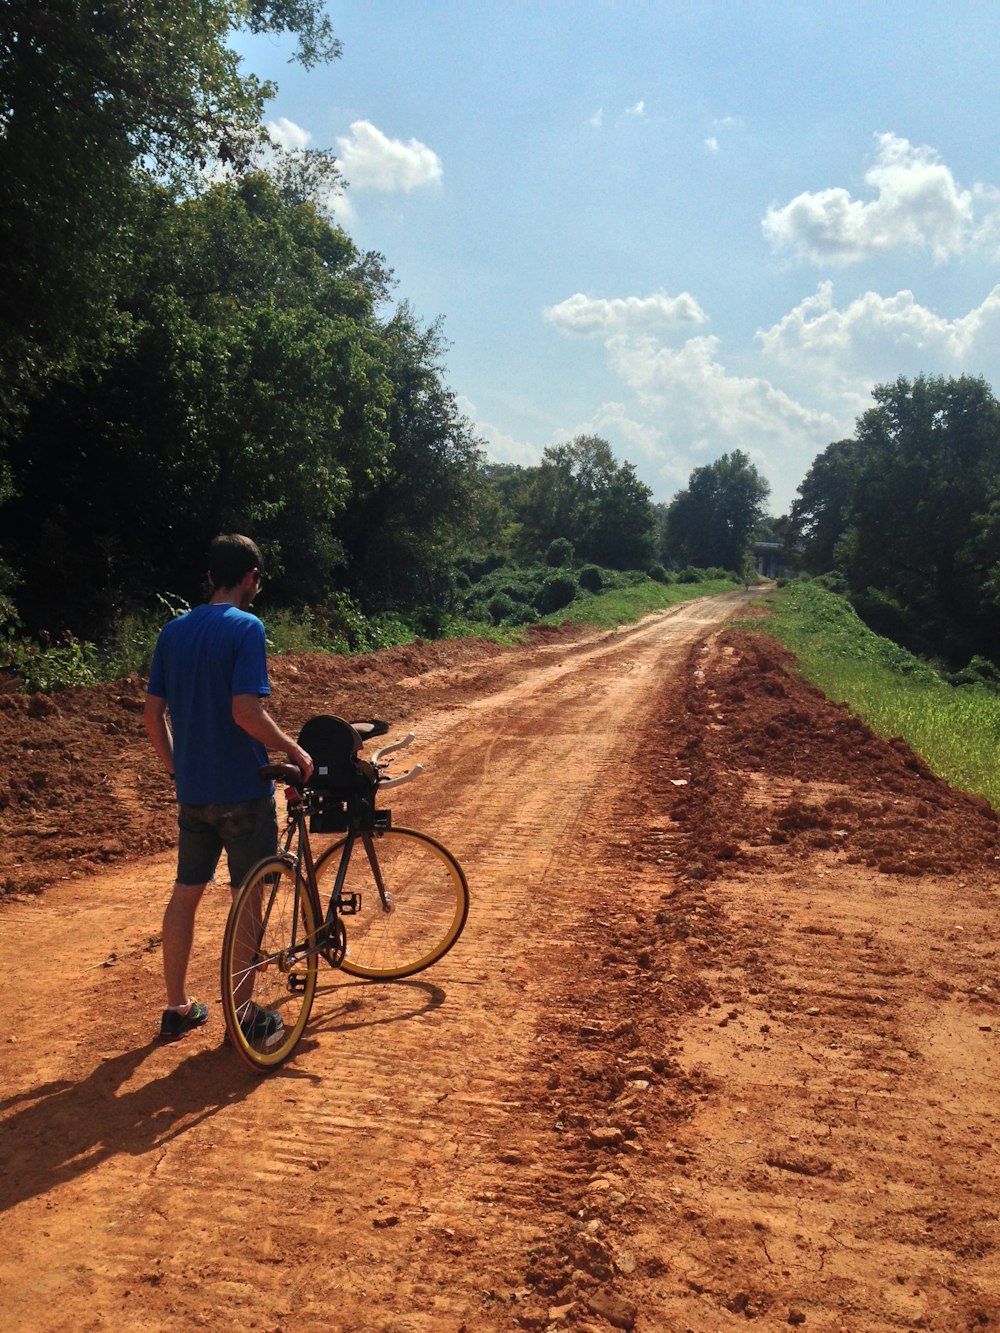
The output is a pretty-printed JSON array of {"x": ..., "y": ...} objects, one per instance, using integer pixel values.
[{"x": 231, "y": 557}]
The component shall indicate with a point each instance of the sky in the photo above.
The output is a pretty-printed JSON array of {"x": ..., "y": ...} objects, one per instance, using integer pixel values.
[{"x": 686, "y": 227}]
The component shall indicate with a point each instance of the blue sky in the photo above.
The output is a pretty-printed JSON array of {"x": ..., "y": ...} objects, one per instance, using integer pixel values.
[{"x": 688, "y": 228}]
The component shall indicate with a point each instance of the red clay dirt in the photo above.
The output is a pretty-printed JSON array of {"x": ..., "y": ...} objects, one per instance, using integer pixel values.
[{"x": 719, "y": 1044}]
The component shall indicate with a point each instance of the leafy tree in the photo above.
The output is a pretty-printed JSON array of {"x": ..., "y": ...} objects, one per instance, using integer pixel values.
[
  {"x": 927, "y": 469},
  {"x": 713, "y": 521},
  {"x": 819, "y": 514},
  {"x": 407, "y": 521},
  {"x": 579, "y": 492},
  {"x": 96, "y": 98},
  {"x": 244, "y": 387}
]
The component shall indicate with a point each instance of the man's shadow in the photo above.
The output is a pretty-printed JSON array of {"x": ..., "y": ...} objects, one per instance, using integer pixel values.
[
  {"x": 64, "y": 1128},
  {"x": 55, "y": 1133}
]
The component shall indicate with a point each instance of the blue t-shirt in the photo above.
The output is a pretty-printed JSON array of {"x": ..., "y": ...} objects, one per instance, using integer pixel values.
[{"x": 201, "y": 661}]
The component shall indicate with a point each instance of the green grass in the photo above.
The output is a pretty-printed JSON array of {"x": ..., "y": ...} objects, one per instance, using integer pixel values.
[
  {"x": 956, "y": 729},
  {"x": 624, "y": 606}
]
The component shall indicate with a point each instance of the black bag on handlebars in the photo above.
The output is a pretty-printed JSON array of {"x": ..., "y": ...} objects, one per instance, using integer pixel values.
[{"x": 342, "y": 783}]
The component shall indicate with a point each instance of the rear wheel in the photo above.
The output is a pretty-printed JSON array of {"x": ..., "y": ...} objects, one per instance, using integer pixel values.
[
  {"x": 268, "y": 965},
  {"x": 419, "y": 917}
]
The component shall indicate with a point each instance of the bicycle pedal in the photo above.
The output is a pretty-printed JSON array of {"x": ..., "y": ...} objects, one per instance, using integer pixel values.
[
  {"x": 296, "y": 983},
  {"x": 349, "y": 904}
]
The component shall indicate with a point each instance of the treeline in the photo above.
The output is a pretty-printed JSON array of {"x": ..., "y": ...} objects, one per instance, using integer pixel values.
[{"x": 905, "y": 517}]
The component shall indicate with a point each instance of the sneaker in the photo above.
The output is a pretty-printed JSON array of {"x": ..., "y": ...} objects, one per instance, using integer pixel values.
[
  {"x": 262, "y": 1025},
  {"x": 174, "y": 1025}
]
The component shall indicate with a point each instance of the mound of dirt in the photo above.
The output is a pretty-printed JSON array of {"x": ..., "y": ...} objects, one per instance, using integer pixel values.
[{"x": 762, "y": 760}]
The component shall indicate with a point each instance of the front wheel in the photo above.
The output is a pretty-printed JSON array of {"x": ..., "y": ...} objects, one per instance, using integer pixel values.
[
  {"x": 412, "y": 918},
  {"x": 269, "y": 964}
]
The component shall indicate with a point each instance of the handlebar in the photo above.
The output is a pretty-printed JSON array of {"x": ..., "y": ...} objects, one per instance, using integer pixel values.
[{"x": 291, "y": 774}]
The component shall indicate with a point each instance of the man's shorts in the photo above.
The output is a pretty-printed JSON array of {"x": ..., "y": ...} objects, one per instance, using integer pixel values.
[{"x": 247, "y": 831}]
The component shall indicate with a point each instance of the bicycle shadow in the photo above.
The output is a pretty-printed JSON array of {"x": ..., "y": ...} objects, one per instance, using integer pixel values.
[
  {"x": 64, "y": 1129},
  {"x": 354, "y": 995}
]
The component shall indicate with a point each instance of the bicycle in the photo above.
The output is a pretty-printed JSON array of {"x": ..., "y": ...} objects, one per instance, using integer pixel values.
[{"x": 398, "y": 899}]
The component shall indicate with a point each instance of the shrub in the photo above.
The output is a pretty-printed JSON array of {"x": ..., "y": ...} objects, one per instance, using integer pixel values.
[
  {"x": 657, "y": 573},
  {"x": 557, "y": 591},
  {"x": 523, "y": 614},
  {"x": 591, "y": 577},
  {"x": 55, "y": 667},
  {"x": 979, "y": 671},
  {"x": 560, "y": 553},
  {"x": 500, "y": 607},
  {"x": 834, "y": 581},
  {"x": 689, "y": 575}
]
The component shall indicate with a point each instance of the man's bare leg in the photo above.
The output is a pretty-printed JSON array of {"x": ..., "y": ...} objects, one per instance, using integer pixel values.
[{"x": 178, "y": 937}]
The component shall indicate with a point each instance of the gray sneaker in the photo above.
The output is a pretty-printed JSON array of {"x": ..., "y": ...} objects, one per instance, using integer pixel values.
[
  {"x": 261, "y": 1027},
  {"x": 174, "y": 1025}
]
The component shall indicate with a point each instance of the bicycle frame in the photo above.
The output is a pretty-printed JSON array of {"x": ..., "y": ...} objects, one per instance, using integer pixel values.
[{"x": 304, "y": 865}]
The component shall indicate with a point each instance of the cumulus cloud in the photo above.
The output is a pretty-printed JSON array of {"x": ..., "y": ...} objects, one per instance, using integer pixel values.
[
  {"x": 706, "y": 410},
  {"x": 285, "y": 134},
  {"x": 917, "y": 205},
  {"x": 372, "y": 161},
  {"x": 713, "y": 402},
  {"x": 843, "y": 351},
  {"x": 587, "y": 316},
  {"x": 500, "y": 446}
]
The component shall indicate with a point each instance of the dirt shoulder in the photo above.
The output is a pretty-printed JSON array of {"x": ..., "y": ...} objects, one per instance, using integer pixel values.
[{"x": 720, "y": 1042}]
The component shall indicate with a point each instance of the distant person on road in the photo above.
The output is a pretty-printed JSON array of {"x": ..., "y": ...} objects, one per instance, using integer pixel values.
[{"x": 209, "y": 673}]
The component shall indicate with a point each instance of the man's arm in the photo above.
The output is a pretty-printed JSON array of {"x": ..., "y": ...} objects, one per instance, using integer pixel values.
[
  {"x": 249, "y": 713},
  {"x": 155, "y": 718}
]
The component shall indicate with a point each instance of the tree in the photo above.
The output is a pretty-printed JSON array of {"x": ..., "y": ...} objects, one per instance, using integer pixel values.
[
  {"x": 927, "y": 469},
  {"x": 406, "y": 521},
  {"x": 95, "y": 99},
  {"x": 581, "y": 493},
  {"x": 244, "y": 387},
  {"x": 820, "y": 514},
  {"x": 712, "y": 522}
]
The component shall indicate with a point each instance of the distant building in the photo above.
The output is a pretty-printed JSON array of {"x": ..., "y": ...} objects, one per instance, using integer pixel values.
[{"x": 772, "y": 561}]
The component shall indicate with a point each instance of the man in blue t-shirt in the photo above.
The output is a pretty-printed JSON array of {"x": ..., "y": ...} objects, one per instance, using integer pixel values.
[{"x": 209, "y": 673}]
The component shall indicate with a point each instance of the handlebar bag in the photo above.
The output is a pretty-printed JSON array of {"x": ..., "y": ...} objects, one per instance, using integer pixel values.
[{"x": 344, "y": 782}]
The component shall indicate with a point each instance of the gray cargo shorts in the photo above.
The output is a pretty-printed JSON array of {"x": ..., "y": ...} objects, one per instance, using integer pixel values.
[{"x": 247, "y": 831}]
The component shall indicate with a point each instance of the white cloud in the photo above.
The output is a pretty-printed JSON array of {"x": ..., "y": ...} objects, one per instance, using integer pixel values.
[
  {"x": 371, "y": 160},
  {"x": 696, "y": 387},
  {"x": 918, "y": 205},
  {"x": 705, "y": 411},
  {"x": 841, "y": 352},
  {"x": 684, "y": 406},
  {"x": 597, "y": 119},
  {"x": 287, "y": 135},
  {"x": 721, "y": 124},
  {"x": 586, "y": 315},
  {"x": 499, "y": 446},
  {"x": 638, "y": 109}
]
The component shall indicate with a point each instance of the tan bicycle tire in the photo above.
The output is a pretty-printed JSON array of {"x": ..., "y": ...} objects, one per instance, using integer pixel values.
[
  {"x": 429, "y": 909},
  {"x": 286, "y": 908}
]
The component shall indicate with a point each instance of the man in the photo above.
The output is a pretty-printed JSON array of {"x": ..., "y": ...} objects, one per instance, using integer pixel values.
[{"x": 209, "y": 672}]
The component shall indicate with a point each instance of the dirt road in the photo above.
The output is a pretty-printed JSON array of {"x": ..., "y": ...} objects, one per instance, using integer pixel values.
[{"x": 719, "y": 1043}]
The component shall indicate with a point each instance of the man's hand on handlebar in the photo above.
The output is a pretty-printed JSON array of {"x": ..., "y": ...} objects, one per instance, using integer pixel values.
[{"x": 297, "y": 756}]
